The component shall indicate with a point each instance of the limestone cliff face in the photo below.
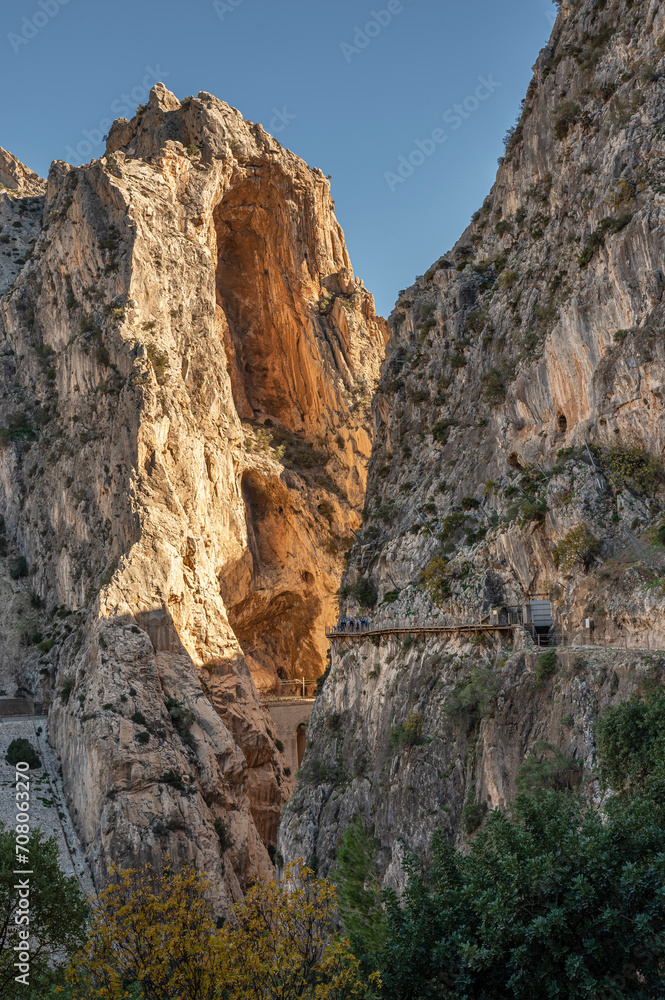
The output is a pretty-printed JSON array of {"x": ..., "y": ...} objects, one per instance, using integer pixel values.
[
  {"x": 518, "y": 452},
  {"x": 187, "y": 361}
]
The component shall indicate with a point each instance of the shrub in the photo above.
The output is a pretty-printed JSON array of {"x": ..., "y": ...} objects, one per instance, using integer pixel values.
[
  {"x": 502, "y": 227},
  {"x": 472, "y": 816},
  {"x": 563, "y": 118},
  {"x": 608, "y": 225},
  {"x": 546, "y": 664},
  {"x": 621, "y": 335},
  {"x": 391, "y": 596},
  {"x": 579, "y": 545},
  {"x": 631, "y": 742},
  {"x": 450, "y": 524},
  {"x": 173, "y": 779},
  {"x": 183, "y": 720},
  {"x": 495, "y": 387},
  {"x": 635, "y": 467},
  {"x": 193, "y": 150},
  {"x": 139, "y": 718},
  {"x": 364, "y": 592},
  {"x": 408, "y": 733},
  {"x": 441, "y": 430},
  {"x": 22, "y": 751},
  {"x": 548, "y": 767},
  {"x": 159, "y": 361},
  {"x": 508, "y": 278},
  {"x": 474, "y": 697},
  {"x": 224, "y": 835},
  {"x": 436, "y": 580},
  {"x": 19, "y": 568},
  {"x": 470, "y": 503},
  {"x": 143, "y": 737}
]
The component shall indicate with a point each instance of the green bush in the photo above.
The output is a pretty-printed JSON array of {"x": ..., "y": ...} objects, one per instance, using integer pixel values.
[
  {"x": 450, "y": 524},
  {"x": 436, "y": 579},
  {"x": 472, "y": 816},
  {"x": 608, "y": 225},
  {"x": 391, "y": 596},
  {"x": 634, "y": 467},
  {"x": 19, "y": 568},
  {"x": 224, "y": 835},
  {"x": 473, "y": 698},
  {"x": 563, "y": 118},
  {"x": 143, "y": 737},
  {"x": 579, "y": 545},
  {"x": 66, "y": 689},
  {"x": 364, "y": 592},
  {"x": 441, "y": 430},
  {"x": 183, "y": 720},
  {"x": 494, "y": 387},
  {"x": 22, "y": 751},
  {"x": 546, "y": 665},
  {"x": 139, "y": 718},
  {"x": 631, "y": 742},
  {"x": 548, "y": 767},
  {"x": 159, "y": 361},
  {"x": 408, "y": 733}
]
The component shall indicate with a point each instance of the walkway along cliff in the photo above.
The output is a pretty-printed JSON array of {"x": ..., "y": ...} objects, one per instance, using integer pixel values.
[
  {"x": 186, "y": 366},
  {"x": 517, "y": 458}
]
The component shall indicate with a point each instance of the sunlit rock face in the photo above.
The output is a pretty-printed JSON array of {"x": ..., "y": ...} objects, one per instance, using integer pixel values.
[
  {"x": 187, "y": 362},
  {"x": 539, "y": 333}
]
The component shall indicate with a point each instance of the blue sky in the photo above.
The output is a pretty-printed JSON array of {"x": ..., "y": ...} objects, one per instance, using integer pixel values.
[{"x": 354, "y": 88}]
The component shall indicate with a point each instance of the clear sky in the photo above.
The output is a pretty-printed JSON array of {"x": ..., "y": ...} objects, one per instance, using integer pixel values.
[{"x": 352, "y": 87}]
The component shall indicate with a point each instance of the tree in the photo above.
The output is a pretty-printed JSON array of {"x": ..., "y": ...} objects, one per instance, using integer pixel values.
[
  {"x": 153, "y": 935},
  {"x": 57, "y": 914},
  {"x": 358, "y": 892},
  {"x": 551, "y": 901},
  {"x": 281, "y": 945}
]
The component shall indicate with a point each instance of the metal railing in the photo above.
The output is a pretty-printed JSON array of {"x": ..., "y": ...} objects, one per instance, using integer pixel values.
[{"x": 297, "y": 687}]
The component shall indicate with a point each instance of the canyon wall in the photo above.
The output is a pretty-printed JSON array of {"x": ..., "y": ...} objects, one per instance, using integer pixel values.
[
  {"x": 518, "y": 454},
  {"x": 187, "y": 362}
]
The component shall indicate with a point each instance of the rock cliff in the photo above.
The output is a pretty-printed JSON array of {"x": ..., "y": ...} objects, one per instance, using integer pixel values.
[
  {"x": 518, "y": 454},
  {"x": 187, "y": 362}
]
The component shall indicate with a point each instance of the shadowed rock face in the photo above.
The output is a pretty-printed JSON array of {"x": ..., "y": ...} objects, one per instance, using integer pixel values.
[
  {"x": 540, "y": 332},
  {"x": 186, "y": 364}
]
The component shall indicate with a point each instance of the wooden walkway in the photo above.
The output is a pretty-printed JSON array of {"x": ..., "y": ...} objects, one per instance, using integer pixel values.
[{"x": 401, "y": 628}]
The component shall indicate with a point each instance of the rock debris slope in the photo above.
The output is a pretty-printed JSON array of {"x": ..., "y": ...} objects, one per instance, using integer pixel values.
[
  {"x": 518, "y": 453},
  {"x": 186, "y": 366}
]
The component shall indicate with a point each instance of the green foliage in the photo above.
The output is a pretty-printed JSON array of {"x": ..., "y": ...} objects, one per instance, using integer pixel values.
[
  {"x": 608, "y": 225},
  {"x": 66, "y": 689},
  {"x": 193, "y": 150},
  {"x": 579, "y": 545},
  {"x": 408, "y": 733},
  {"x": 631, "y": 742},
  {"x": 547, "y": 767},
  {"x": 441, "y": 430},
  {"x": 472, "y": 815},
  {"x": 183, "y": 720},
  {"x": 546, "y": 665},
  {"x": 474, "y": 697},
  {"x": 139, "y": 718},
  {"x": 19, "y": 568},
  {"x": 17, "y": 428},
  {"x": 470, "y": 503},
  {"x": 316, "y": 772},
  {"x": 358, "y": 892},
  {"x": 634, "y": 467},
  {"x": 57, "y": 916},
  {"x": 551, "y": 900},
  {"x": 391, "y": 596},
  {"x": 563, "y": 118},
  {"x": 159, "y": 361},
  {"x": 22, "y": 750},
  {"x": 494, "y": 384},
  {"x": 450, "y": 524},
  {"x": 143, "y": 737},
  {"x": 224, "y": 835},
  {"x": 436, "y": 579},
  {"x": 364, "y": 592}
]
